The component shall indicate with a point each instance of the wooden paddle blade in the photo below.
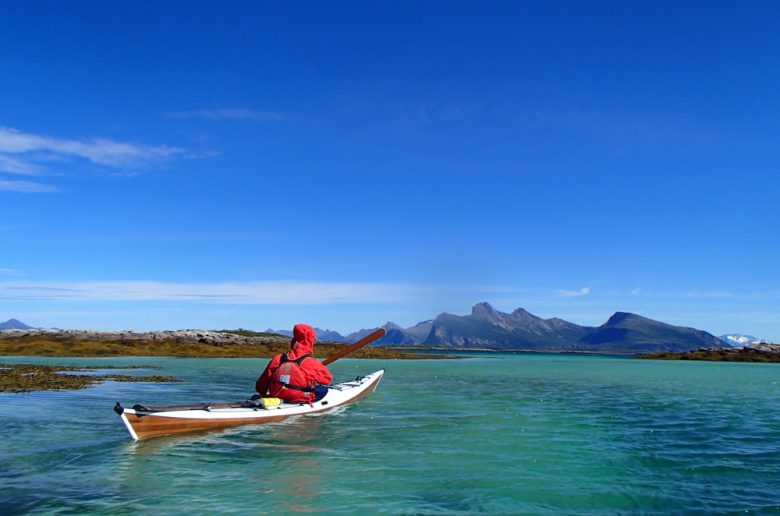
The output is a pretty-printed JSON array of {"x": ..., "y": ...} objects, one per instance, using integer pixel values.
[{"x": 378, "y": 334}]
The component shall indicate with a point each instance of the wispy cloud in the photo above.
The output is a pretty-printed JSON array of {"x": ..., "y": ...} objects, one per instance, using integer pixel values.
[
  {"x": 9, "y": 272},
  {"x": 267, "y": 292},
  {"x": 635, "y": 128},
  {"x": 12, "y": 165},
  {"x": 574, "y": 293},
  {"x": 242, "y": 293},
  {"x": 25, "y": 186},
  {"x": 228, "y": 114},
  {"x": 709, "y": 294},
  {"x": 703, "y": 294},
  {"x": 101, "y": 151},
  {"x": 25, "y": 153}
]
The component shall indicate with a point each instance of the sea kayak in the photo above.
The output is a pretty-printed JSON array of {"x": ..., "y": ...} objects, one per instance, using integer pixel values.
[{"x": 143, "y": 422}]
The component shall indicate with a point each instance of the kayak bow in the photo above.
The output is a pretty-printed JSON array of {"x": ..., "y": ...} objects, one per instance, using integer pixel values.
[{"x": 143, "y": 422}]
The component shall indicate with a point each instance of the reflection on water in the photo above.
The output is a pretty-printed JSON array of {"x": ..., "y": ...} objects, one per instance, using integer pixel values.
[{"x": 280, "y": 460}]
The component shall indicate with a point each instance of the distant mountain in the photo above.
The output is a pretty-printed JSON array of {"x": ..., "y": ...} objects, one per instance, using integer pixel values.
[
  {"x": 420, "y": 331},
  {"x": 396, "y": 336},
  {"x": 631, "y": 332},
  {"x": 323, "y": 335},
  {"x": 489, "y": 328},
  {"x": 14, "y": 324},
  {"x": 738, "y": 340},
  {"x": 357, "y": 335}
]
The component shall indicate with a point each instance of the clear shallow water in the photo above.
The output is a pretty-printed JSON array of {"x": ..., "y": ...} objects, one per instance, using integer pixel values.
[{"x": 521, "y": 434}]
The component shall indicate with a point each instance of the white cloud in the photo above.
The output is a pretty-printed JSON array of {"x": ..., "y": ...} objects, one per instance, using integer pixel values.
[
  {"x": 574, "y": 293},
  {"x": 228, "y": 114},
  {"x": 636, "y": 291},
  {"x": 265, "y": 292},
  {"x": 25, "y": 186},
  {"x": 241, "y": 293},
  {"x": 101, "y": 151},
  {"x": 23, "y": 153}
]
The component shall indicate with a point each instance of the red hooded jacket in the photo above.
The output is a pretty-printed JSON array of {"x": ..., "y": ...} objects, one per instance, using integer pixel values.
[{"x": 312, "y": 369}]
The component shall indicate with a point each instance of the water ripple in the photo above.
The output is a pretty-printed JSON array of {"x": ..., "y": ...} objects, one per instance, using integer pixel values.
[{"x": 519, "y": 434}]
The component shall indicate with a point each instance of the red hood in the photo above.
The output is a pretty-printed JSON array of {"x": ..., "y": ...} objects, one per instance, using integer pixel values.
[{"x": 302, "y": 341}]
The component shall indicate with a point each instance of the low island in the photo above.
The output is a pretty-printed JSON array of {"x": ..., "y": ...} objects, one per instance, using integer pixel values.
[
  {"x": 180, "y": 343},
  {"x": 753, "y": 353}
]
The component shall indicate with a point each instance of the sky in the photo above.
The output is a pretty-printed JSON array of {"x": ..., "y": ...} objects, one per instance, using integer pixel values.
[{"x": 259, "y": 164}]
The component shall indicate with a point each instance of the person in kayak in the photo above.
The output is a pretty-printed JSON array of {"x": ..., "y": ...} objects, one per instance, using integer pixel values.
[{"x": 296, "y": 376}]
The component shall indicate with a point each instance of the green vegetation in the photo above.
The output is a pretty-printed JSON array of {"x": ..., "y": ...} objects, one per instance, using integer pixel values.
[
  {"x": 47, "y": 346},
  {"x": 33, "y": 377}
]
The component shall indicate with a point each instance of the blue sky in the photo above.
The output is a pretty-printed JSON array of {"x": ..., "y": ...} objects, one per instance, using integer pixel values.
[{"x": 345, "y": 164}]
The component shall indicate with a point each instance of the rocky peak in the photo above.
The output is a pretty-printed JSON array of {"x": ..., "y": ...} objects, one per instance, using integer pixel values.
[
  {"x": 486, "y": 313},
  {"x": 619, "y": 317},
  {"x": 483, "y": 310},
  {"x": 521, "y": 314}
]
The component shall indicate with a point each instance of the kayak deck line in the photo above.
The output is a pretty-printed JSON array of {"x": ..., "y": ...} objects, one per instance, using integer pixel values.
[{"x": 142, "y": 422}]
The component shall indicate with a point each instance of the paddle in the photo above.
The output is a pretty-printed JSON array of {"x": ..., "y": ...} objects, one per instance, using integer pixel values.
[{"x": 378, "y": 334}]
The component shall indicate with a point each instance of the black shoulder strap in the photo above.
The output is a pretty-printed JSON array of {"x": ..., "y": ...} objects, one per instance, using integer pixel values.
[
  {"x": 301, "y": 358},
  {"x": 298, "y": 360}
]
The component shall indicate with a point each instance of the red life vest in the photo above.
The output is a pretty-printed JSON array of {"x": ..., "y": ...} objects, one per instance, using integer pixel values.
[{"x": 289, "y": 381}]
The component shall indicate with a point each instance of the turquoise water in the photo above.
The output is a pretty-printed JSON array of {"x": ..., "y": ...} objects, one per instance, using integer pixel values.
[{"x": 518, "y": 434}]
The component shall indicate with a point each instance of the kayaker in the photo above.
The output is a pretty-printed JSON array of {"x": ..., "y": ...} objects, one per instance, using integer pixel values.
[{"x": 296, "y": 376}]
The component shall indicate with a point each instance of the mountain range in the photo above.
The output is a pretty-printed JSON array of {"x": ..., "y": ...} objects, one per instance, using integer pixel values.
[{"x": 487, "y": 328}]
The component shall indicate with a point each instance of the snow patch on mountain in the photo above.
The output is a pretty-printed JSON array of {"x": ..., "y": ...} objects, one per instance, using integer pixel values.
[{"x": 738, "y": 340}]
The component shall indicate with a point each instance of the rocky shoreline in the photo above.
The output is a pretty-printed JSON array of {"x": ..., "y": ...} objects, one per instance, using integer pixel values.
[
  {"x": 245, "y": 344},
  {"x": 178, "y": 343},
  {"x": 759, "y": 352},
  {"x": 17, "y": 378},
  {"x": 189, "y": 336}
]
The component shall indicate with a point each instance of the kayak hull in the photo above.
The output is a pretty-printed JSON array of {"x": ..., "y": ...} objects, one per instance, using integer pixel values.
[{"x": 157, "y": 421}]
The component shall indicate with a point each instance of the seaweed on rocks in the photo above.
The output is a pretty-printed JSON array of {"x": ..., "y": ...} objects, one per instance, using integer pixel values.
[{"x": 36, "y": 377}]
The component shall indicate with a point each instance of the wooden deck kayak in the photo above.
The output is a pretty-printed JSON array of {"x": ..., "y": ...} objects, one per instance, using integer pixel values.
[{"x": 143, "y": 422}]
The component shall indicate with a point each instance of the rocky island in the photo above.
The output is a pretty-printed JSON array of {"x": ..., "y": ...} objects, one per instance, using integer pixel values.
[
  {"x": 179, "y": 343},
  {"x": 760, "y": 352}
]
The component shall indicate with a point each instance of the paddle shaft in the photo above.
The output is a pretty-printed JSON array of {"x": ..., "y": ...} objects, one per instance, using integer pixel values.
[{"x": 378, "y": 334}]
